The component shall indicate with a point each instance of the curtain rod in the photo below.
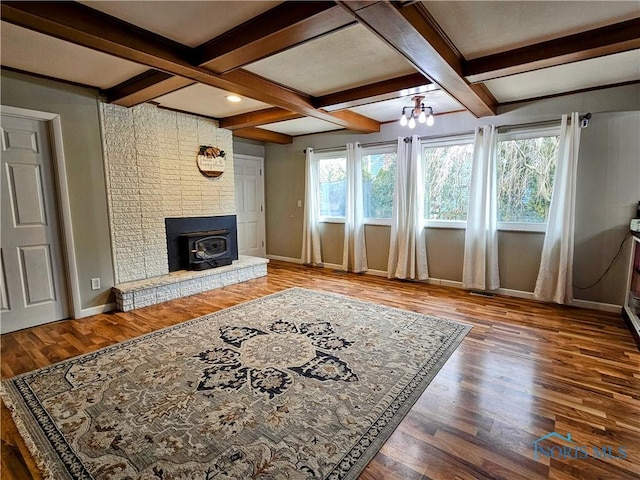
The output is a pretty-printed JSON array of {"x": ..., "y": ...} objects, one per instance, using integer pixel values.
[
  {"x": 544, "y": 123},
  {"x": 373, "y": 144}
]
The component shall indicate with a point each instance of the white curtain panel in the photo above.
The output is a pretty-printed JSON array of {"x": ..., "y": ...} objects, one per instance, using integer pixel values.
[
  {"x": 555, "y": 278},
  {"x": 480, "y": 266},
  {"x": 311, "y": 251},
  {"x": 354, "y": 256},
  {"x": 408, "y": 251}
]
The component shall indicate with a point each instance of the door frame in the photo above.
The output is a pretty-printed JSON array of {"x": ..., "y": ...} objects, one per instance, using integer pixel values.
[
  {"x": 54, "y": 126},
  {"x": 263, "y": 213}
]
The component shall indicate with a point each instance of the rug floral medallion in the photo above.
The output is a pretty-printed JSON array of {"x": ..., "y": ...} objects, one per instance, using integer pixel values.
[{"x": 296, "y": 385}]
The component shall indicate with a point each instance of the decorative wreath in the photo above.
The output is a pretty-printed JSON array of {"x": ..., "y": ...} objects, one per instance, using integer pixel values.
[{"x": 211, "y": 152}]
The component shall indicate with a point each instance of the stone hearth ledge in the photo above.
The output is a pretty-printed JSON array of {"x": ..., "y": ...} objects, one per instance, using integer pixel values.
[{"x": 151, "y": 291}]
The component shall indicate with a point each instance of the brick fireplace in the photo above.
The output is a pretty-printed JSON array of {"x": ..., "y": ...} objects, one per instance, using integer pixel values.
[
  {"x": 151, "y": 172},
  {"x": 152, "y": 175}
]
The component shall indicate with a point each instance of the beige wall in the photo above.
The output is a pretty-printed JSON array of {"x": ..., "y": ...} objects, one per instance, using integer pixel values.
[
  {"x": 608, "y": 190},
  {"x": 284, "y": 186},
  {"x": 377, "y": 240},
  {"x": 78, "y": 110}
]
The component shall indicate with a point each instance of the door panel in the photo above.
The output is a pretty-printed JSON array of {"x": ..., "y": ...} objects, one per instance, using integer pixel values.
[
  {"x": 4, "y": 296},
  {"x": 37, "y": 275},
  {"x": 33, "y": 271},
  {"x": 252, "y": 236},
  {"x": 25, "y": 139},
  {"x": 249, "y": 185},
  {"x": 27, "y": 198}
]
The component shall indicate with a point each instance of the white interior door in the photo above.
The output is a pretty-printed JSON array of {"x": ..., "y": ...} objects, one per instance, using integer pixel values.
[
  {"x": 33, "y": 286},
  {"x": 249, "y": 183}
]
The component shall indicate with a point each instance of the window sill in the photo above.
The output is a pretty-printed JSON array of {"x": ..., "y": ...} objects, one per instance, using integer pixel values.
[
  {"x": 331, "y": 220},
  {"x": 522, "y": 227},
  {"x": 452, "y": 224},
  {"x": 384, "y": 222}
]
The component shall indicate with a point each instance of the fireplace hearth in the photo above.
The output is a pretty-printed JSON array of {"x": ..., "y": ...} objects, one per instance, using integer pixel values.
[{"x": 200, "y": 243}]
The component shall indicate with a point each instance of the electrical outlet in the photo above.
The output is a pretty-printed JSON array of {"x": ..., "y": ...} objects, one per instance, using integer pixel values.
[
  {"x": 95, "y": 284},
  {"x": 299, "y": 203}
]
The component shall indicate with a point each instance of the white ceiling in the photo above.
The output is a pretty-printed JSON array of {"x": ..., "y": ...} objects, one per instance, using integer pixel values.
[
  {"x": 301, "y": 126},
  {"x": 622, "y": 67},
  {"x": 208, "y": 101},
  {"x": 36, "y": 53},
  {"x": 326, "y": 65},
  {"x": 188, "y": 22},
  {"x": 348, "y": 58},
  {"x": 479, "y": 28}
]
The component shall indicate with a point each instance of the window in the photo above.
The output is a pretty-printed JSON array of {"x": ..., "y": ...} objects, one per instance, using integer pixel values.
[
  {"x": 526, "y": 163},
  {"x": 379, "y": 181},
  {"x": 332, "y": 179},
  {"x": 447, "y": 176}
]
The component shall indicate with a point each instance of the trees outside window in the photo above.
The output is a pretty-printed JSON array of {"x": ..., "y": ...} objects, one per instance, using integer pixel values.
[
  {"x": 332, "y": 177},
  {"x": 447, "y": 179},
  {"x": 526, "y": 161},
  {"x": 379, "y": 180},
  {"x": 526, "y": 171}
]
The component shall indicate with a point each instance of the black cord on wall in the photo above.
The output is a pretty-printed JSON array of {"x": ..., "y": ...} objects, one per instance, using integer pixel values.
[{"x": 609, "y": 267}]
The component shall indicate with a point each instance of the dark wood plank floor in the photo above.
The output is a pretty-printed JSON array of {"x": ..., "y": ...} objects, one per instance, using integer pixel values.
[{"x": 526, "y": 369}]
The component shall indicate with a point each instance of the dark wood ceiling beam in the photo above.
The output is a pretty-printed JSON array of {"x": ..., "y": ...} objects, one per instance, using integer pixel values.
[
  {"x": 258, "y": 117},
  {"x": 144, "y": 87},
  {"x": 616, "y": 38},
  {"x": 352, "y": 117},
  {"x": 89, "y": 28},
  {"x": 262, "y": 135},
  {"x": 374, "y": 92},
  {"x": 280, "y": 28},
  {"x": 284, "y": 26},
  {"x": 358, "y": 123},
  {"x": 411, "y": 31}
]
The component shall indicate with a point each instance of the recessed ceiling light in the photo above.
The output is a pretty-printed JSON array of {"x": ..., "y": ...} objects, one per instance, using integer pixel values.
[{"x": 233, "y": 98}]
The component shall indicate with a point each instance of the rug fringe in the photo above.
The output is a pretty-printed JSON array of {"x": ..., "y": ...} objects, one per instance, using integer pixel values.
[{"x": 44, "y": 465}]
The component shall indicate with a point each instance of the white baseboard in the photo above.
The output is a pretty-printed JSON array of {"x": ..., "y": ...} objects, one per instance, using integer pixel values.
[
  {"x": 376, "y": 273},
  {"x": 285, "y": 259},
  {"x": 333, "y": 266},
  {"x": 603, "y": 307},
  {"x": 515, "y": 293},
  {"x": 444, "y": 283},
  {"x": 87, "y": 312}
]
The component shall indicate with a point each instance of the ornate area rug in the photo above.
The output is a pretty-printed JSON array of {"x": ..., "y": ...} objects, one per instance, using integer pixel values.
[{"x": 295, "y": 385}]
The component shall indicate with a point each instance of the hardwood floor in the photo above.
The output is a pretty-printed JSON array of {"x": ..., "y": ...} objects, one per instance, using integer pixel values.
[{"x": 526, "y": 369}]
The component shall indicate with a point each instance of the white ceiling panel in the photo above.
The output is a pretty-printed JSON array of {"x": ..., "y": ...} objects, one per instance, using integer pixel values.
[
  {"x": 209, "y": 101},
  {"x": 622, "y": 67},
  {"x": 188, "y": 22},
  {"x": 301, "y": 126},
  {"x": 486, "y": 27},
  {"x": 37, "y": 53},
  {"x": 348, "y": 58},
  {"x": 390, "y": 110}
]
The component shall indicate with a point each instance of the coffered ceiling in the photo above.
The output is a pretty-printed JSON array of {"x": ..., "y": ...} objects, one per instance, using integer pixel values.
[{"x": 307, "y": 67}]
